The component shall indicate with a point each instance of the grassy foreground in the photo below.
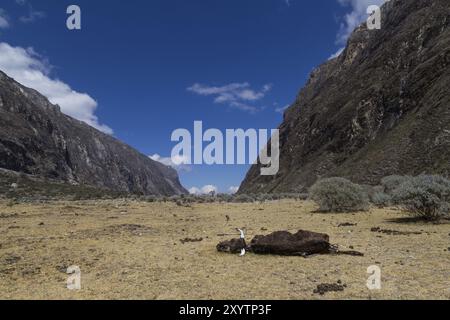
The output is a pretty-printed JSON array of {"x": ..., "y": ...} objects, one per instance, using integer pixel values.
[{"x": 133, "y": 250}]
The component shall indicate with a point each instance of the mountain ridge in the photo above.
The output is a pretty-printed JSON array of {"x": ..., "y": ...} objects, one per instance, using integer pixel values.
[
  {"x": 37, "y": 138},
  {"x": 380, "y": 108}
]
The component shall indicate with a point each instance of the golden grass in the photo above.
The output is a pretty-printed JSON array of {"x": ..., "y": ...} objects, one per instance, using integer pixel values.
[{"x": 132, "y": 250}]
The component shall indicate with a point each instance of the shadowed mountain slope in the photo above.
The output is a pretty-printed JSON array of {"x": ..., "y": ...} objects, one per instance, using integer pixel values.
[
  {"x": 37, "y": 139},
  {"x": 381, "y": 108}
]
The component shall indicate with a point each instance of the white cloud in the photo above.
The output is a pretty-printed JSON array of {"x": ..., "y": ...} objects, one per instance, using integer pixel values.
[
  {"x": 31, "y": 70},
  {"x": 194, "y": 190},
  {"x": 32, "y": 14},
  {"x": 233, "y": 190},
  {"x": 204, "y": 190},
  {"x": 4, "y": 20},
  {"x": 179, "y": 163},
  {"x": 355, "y": 17},
  {"x": 282, "y": 109},
  {"x": 236, "y": 95}
]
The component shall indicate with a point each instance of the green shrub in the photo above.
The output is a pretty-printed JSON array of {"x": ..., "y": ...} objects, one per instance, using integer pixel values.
[
  {"x": 426, "y": 197},
  {"x": 381, "y": 199},
  {"x": 339, "y": 195},
  {"x": 372, "y": 190},
  {"x": 391, "y": 183}
]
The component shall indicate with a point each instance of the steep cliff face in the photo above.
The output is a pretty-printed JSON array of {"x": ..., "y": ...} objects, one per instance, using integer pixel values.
[
  {"x": 382, "y": 107},
  {"x": 36, "y": 138}
]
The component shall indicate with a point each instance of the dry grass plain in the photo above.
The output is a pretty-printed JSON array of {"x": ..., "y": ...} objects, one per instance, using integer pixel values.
[{"x": 132, "y": 250}]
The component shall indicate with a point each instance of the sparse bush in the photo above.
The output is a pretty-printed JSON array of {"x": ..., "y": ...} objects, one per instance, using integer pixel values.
[
  {"x": 302, "y": 196},
  {"x": 391, "y": 183},
  {"x": 425, "y": 196},
  {"x": 243, "y": 198},
  {"x": 151, "y": 198},
  {"x": 174, "y": 199},
  {"x": 381, "y": 199},
  {"x": 339, "y": 195},
  {"x": 262, "y": 197},
  {"x": 188, "y": 199},
  {"x": 223, "y": 197}
]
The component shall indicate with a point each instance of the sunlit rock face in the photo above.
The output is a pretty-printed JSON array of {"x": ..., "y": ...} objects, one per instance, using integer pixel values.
[
  {"x": 36, "y": 138},
  {"x": 382, "y": 107}
]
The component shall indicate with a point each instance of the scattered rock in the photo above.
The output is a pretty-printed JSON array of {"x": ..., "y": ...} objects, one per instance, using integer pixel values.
[
  {"x": 8, "y": 215},
  {"x": 12, "y": 259},
  {"x": 347, "y": 224},
  {"x": 349, "y": 253},
  {"x": 30, "y": 271},
  {"x": 7, "y": 271},
  {"x": 394, "y": 232},
  {"x": 186, "y": 240},
  {"x": 62, "y": 268}
]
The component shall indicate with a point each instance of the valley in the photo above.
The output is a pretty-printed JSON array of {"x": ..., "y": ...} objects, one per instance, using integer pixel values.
[{"x": 129, "y": 249}]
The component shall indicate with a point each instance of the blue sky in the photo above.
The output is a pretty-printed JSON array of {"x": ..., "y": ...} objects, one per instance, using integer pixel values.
[{"x": 129, "y": 70}]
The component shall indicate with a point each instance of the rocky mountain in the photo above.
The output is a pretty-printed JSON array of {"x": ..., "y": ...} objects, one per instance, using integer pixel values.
[
  {"x": 37, "y": 139},
  {"x": 381, "y": 108}
]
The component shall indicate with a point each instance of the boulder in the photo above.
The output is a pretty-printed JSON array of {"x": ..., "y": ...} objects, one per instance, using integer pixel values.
[{"x": 303, "y": 243}]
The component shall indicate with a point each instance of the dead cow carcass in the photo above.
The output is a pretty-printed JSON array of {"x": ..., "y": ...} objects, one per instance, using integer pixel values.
[
  {"x": 302, "y": 243},
  {"x": 232, "y": 246}
]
